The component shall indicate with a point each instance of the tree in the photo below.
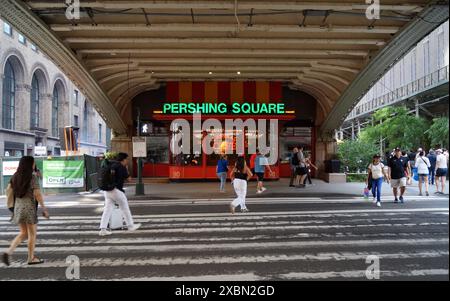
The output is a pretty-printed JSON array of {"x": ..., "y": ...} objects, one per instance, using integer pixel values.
[
  {"x": 396, "y": 127},
  {"x": 438, "y": 132},
  {"x": 356, "y": 154}
]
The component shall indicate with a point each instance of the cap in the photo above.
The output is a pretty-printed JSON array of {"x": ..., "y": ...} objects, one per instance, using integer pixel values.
[{"x": 398, "y": 149}]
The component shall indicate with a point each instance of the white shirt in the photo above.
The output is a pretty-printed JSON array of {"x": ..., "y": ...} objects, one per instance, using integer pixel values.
[
  {"x": 422, "y": 165},
  {"x": 377, "y": 170},
  {"x": 441, "y": 161}
]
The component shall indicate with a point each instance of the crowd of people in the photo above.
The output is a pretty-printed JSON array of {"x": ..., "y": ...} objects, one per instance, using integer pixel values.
[{"x": 401, "y": 167}]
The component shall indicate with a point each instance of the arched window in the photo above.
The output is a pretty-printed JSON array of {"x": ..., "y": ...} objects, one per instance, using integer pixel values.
[
  {"x": 55, "y": 102},
  {"x": 85, "y": 121},
  {"x": 34, "y": 104},
  {"x": 9, "y": 95}
]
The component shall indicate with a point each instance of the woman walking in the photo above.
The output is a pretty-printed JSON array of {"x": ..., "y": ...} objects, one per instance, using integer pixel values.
[
  {"x": 239, "y": 177},
  {"x": 222, "y": 170},
  {"x": 24, "y": 186},
  {"x": 375, "y": 174},
  {"x": 423, "y": 169}
]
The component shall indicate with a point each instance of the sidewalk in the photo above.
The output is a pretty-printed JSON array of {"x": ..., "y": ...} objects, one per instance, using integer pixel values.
[
  {"x": 275, "y": 189},
  {"x": 210, "y": 190}
]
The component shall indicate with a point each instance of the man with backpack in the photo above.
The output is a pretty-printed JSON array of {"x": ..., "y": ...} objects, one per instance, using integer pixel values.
[
  {"x": 112, "y": 176},
  {"x": 294, "y": 163}
]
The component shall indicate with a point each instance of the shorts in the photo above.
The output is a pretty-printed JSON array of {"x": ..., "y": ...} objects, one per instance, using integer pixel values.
[
  {"x": 422, "y": 176},
  {"x": 260, "y": 176},
  {"x": 395, "y": 183},
  {"x": 302, "y": 171},
  {"x": 441, "y": 172}
]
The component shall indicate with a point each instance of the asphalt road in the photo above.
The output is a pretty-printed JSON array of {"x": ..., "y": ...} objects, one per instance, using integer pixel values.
[{"x": 279, "y": 239}]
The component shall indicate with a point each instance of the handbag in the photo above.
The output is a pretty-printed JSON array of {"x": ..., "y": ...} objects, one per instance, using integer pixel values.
[{"x": 10, "y": 198}]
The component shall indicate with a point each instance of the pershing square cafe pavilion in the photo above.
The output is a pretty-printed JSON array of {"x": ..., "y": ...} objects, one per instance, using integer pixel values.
[{"x": 294, "y": 110}]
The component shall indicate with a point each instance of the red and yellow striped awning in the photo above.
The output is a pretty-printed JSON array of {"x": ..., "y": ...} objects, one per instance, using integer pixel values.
[{"x": 226, "y": 92}]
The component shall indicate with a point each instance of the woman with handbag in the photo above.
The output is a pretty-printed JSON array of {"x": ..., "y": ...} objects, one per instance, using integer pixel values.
[
  {"x": 25, "y": 190},
  {"x": 240, "y": 175},
  {"x": 423, "y": 169},
  {"x": 376, "y": 173}
]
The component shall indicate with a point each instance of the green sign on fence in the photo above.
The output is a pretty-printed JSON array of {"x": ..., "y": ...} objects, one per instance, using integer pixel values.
[{"x": 63, "y": 174}]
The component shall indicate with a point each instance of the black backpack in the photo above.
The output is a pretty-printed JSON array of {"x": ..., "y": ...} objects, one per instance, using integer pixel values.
[
  {"x": 295, "y": 161},
  {"x": 105, "y": 179}
]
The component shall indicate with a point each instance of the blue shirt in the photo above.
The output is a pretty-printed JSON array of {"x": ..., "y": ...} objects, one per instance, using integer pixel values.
[
  {"x": 222, "y": 166},
  {"x": 258, "y": 167}
]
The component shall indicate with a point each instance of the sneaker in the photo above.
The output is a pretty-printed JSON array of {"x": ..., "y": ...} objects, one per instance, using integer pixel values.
[
  {"x": 6, "y": 259},
  {"x": 396, "y": 201},
  {"x": 374, "y": 200},
  {"x": 263, "y": 189},
  {"x": 427, "y": 193},
  {"x": 420, "y": 194},
  {"x": 259, "y": 191},
  {"x": 378, "y": 204},
  {"x": 245, "y": 210},
  {"x": 134, "y": 227},
  {"x": 105, "y": 232},
  {"x": 401, "y": 200}
]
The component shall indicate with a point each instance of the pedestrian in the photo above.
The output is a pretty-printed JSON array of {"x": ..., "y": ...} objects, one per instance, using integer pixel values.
[
  {"x": 398, "y": 173},
  {"x": 301, "y": 170},
  {"x": 309, "y": 165},
  {"x": 441, "y": 171},
  {"x": 423, "y": 165},
  {"x": 293, "y": 163},
  {"x": 222, "y": 171},
  {"x": 260, "y": 168},
  {"x": 432, "y": 171},
  {"x": 240, "y": 175},
  {"x": 375, "y": 174},
  {"x": 116, "y": 195},
  {"x": 24, "y": 190},
  {"x": 252, "y": 161}
]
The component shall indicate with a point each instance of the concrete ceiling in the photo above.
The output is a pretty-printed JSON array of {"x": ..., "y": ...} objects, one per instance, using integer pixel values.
[{"x": 128, "y": 47}]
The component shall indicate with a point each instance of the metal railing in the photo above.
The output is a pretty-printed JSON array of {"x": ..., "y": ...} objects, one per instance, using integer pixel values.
[{"x": 422, "y": 84}]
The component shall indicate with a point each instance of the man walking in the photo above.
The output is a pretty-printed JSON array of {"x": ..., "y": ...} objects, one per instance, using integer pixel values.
[
  {"x": 432, "y": 158},
  {"x": 117, "y": 196},
  {"x": 398, "y": 172},
  {"x": 293, "y": 162}
]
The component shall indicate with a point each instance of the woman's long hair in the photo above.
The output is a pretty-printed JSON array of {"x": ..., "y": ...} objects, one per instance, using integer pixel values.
[
  {"x": 21, "y": 180},
  {"x": 240, "y": 164}
]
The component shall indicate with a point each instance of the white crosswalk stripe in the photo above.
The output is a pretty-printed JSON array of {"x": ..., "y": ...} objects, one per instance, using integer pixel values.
[{"x": 296, "y": 245}]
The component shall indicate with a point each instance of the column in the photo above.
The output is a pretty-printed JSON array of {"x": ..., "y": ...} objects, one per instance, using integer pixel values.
[{"x": 23, "y": 94}]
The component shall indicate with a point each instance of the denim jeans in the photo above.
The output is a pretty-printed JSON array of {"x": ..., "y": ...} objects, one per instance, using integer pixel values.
[
  {"x": 431, "y": 176},
  {"x": 223, "y": 179},
  {"x": 376, "y": 188}
]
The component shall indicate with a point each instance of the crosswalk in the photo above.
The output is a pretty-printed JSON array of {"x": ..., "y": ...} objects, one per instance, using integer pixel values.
[{"x": 410, "y": 243}]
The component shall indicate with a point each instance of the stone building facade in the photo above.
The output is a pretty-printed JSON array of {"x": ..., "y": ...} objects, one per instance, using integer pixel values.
[{"x": 38, "y": 100}]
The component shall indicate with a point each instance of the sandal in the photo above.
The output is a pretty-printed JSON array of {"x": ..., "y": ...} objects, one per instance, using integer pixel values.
[
  {"x": 36, "y": 261},
  {"x": 6, "y": 259}
]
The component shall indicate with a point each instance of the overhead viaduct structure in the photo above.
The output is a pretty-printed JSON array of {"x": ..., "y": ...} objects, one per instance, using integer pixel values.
[{"x": 328, "y": 49}]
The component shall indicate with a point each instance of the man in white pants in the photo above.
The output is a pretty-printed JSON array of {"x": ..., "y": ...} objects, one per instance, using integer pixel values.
[{"x": 117, "y": 196}]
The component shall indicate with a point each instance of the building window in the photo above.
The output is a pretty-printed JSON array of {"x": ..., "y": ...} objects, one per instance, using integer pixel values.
[
  {"x": 108, "y": 136},
  {"x": 413, "y": 65},
  {"x": 9, "y": 97},
  {"x": 426, "y": 58},
  {"x": 7, "y": 29},
  {"x": 34, "y": 115},
  {"x": 22, "y": 39},
  {"x": 75, "y": 97},
  {"x": 55, "y": 103},
  {"x": 441, "y": 50},
  {"x": 33, "y": 47},
  {"x": 85, "y": 121},
  {"x": 100, "y": 128},
  {"x": 75, "y": 120}
]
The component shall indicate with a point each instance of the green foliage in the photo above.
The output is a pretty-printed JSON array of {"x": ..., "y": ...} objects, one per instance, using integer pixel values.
[
  {"x": 397, "y": 128},
  {"x": 111, "y": 155},
  {"x": 438, "y": 132},
  {"x": 356, "y": 154},
  {"x": 356, "y": 178}
]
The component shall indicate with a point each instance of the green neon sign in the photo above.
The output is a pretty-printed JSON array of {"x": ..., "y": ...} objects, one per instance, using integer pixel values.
[{"x": 223, "y": 108}]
